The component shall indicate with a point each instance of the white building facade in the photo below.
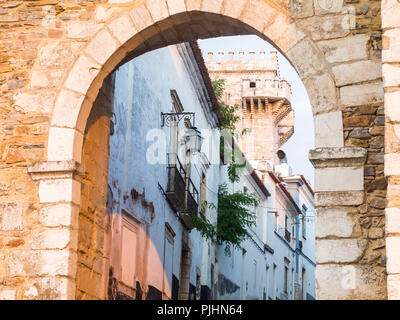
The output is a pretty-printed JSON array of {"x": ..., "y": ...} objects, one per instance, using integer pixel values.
[{"x": 157, "y": 178}]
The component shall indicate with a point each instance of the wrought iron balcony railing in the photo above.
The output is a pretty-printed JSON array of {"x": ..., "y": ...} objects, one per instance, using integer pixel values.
[{"x": 183, "y": 199}]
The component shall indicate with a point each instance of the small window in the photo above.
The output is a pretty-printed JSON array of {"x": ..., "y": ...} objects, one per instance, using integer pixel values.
[
  {"x": 255, "y": 273},
  {"x": 286, "y": 276},
  {"x": 304, "y": 221},
  {"x": 286, "y": 280},
  {"x": 253, "y": 84}
]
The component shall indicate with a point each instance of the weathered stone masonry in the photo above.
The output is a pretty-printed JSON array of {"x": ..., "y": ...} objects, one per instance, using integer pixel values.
[{"x": 54, "y": 56}]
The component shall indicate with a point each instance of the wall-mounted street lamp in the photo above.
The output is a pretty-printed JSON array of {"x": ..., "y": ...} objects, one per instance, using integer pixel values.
[
  {"x": 193, "y": 140},
  {"x": 167, "y": 118}
]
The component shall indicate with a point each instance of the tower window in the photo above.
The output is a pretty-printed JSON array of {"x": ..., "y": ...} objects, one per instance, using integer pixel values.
[{"x": 252, "y": 84}]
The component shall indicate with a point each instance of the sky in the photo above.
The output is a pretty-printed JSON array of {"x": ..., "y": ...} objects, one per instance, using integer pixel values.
[{"x": 302, "y": 141}]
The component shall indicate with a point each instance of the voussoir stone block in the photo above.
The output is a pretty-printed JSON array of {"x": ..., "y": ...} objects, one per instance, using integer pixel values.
[
  {"x": 51, "y": 191},
  {"x": 120, "y": 1},
  {"x": 100, "y": 52},
  {"x": 339, "y": 251},
  {"x": 158, "y": 9},
  {"x": 392, "y": 105},
  {"x": 330, "y": 26},
  {"x": 306, "y": 67},
  {"x": 258, "y": 15},
  {"x": 59, "y": 215},
  {"x": 339, "y": 179},
  {"x": 393, "y": 255},
  {"x": 391, "y": 75},
  {"x": 392, "y": 224},
  {"x": 214, "y": 6},
  {"x": 231, "y": 8},
  {"x": 21, "y": 263},
  {"x": 361, "y": 94},
  {"x": 390, "y": 13},
  {"x": 301, "y": 8},
  {"x": 61, "y": 144},
  {"x": 333, "y": 222},
  {"x": 322, "y": 92},
  {"x": 67, "y": 108},
  {"x": 391, "y": 45},
  {"x": 393, "y": 286},
  {"x": 141, "y": 17},
  {"x": 344, "y": 198},
  {"x": 336, "y": 281},
  {"x": 357, "y": 72},
  {"x": 176, "y": 6},
  {"x": 11, "y": 215},
  {"x": 8, "y": 293},
  {"x": 52, "y": 239},
  {"x": 122, "y": 28},
  {"x": 329, "y": 130},
  {"x": 392, "y": 164},
  {"x": 82, "y": 75},
  {"x": 345, "y": 49}
]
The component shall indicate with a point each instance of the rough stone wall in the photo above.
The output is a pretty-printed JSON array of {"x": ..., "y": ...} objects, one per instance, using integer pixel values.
[
  {"x": 53, "y": 61},
  {"x": 363, "y": 124},
  {"x": 355, "y": 253},
  {"x": 92, "y": 214}
]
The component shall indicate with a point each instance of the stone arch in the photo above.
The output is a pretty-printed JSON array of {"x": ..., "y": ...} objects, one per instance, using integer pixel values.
[{"x": 153, "y": 24}]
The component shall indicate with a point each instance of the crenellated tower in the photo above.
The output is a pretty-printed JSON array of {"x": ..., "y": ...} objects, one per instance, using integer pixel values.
[{"x": 264, "y": 99}]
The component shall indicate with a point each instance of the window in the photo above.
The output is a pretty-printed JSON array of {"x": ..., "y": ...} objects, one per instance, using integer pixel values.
[
  {"x": 274, "y": 283},
  {"x": 198, "y": 284},
  {"x": 255, "y": 274},
  {"x": 252, "y": 84},
  {"x": 286, "y": 280},
  {"x": 286, "y": 276},
  {"x": 304, "y": 284},
  {"x": 244, "y": 282},
  {"x": 293, "y": 235},
  {"x": 304, "y": 222},
  {"x": 266, "y": 281},
  {"x": 168, "y": 260}
]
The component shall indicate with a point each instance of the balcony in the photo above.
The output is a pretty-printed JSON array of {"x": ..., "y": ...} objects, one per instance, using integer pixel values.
[
  {"x": 183, "y": 200},
  {"x": 287, "y": 235}
]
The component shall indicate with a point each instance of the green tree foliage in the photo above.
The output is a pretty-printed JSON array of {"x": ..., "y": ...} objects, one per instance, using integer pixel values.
[
  {"x": 229, "y": 112},
  {"x": 234, "y": 217},
  {"x": 228, "y": 126}
]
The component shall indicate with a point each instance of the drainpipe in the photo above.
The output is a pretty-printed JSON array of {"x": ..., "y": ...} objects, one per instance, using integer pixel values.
[
  {"x": 187, "y": 177},
  {"x": 297, "y": 257}
]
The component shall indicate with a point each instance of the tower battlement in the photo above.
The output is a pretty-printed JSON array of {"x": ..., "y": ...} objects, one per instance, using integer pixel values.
[
  {"x": 254, "y": 83},
  {"x": 258, "y": 76},
  {"x": 241, "y": 61}
]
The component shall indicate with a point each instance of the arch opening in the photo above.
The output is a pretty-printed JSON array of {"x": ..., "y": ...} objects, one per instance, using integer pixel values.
[{"x": 137, "y": 32}]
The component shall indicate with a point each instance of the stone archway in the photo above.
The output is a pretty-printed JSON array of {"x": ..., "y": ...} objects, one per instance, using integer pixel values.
[{"x": 341, "y": 104}]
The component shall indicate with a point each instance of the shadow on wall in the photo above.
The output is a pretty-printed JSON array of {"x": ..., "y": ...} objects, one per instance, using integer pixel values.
[{"x": 106, "y": 269}]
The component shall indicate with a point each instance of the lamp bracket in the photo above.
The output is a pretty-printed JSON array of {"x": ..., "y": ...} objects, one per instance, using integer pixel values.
[{"x": 166, "y": 118}]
